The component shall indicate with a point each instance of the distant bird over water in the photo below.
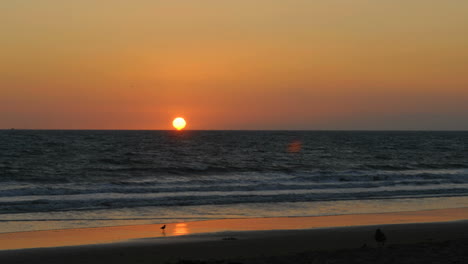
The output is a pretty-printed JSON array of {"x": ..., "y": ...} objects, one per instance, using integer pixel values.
[
  {"x": 163, "y": 227},
  {"x": 380, "y": 237}
]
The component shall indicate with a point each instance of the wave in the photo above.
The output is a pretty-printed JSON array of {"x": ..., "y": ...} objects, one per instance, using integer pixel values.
[
  {"x": 118, "y": 172},
  {"x": 222, "y": 187},
  {"x": 215, "y": 198}
]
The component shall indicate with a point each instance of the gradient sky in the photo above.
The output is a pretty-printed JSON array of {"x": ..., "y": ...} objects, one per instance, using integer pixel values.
[{"x": 244, "y": 64}]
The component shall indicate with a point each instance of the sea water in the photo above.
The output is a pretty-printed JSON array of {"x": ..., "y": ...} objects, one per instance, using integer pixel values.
[{"x": 72, "y": 179}]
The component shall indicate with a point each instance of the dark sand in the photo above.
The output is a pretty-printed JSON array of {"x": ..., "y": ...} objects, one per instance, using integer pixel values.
[{"x": 437, "y": 242}]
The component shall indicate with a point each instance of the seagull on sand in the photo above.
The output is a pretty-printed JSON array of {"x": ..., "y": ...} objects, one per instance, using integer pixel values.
[{"x": 380, "y": 237}]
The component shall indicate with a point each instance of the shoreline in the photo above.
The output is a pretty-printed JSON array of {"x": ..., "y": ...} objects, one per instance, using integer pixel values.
[
  {"x": 203, "y": 219},
  {"x": 207, "y": 228},
  {"x": 440, "y": 242}
]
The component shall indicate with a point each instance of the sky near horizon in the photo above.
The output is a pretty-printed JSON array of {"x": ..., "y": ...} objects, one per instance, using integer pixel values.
[{"x": 258, "y": 64}]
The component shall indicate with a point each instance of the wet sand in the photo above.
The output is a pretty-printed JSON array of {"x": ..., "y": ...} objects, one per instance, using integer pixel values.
[{"x": 418, "y": 236}]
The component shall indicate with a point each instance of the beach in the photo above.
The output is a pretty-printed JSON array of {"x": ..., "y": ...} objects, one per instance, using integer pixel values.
[{"x": 412, "y": 237}]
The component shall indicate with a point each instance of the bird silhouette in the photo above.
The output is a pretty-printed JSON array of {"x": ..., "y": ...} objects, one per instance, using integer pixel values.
[
  {"x": 380, "y": 237},
  {"x": 163, "y": 227}
]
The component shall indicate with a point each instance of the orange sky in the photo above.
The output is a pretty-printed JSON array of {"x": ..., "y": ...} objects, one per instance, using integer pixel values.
[{"x": 258, "y": 64}]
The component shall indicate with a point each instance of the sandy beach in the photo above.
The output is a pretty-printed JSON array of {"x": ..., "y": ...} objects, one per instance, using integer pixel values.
[{"x": 413, "y": 237}]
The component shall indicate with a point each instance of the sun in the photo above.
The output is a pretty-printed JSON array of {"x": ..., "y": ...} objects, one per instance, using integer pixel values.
[{"x": 179, "y": 123}]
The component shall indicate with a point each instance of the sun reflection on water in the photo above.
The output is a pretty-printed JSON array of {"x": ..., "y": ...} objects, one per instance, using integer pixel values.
[{"x": 181, "y": 229}]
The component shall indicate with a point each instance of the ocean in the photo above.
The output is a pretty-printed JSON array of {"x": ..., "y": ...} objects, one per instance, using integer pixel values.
[{"x": 54, "y": 179}]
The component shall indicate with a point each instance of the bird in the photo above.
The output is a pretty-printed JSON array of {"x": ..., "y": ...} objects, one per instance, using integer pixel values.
[
  {"x": 380, "y": 237},
  {"x": 163, "y": 227}
]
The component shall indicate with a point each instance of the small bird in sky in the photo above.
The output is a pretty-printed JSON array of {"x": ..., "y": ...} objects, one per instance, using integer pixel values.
[{"x": 380, "y": 237}]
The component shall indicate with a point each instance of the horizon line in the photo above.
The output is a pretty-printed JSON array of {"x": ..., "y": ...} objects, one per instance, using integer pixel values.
[{"x": 299, "y": 130}]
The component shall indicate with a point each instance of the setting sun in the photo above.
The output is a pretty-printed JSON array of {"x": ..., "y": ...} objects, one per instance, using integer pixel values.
[{"x": 179, "y": 123}]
